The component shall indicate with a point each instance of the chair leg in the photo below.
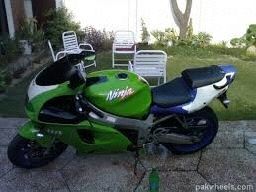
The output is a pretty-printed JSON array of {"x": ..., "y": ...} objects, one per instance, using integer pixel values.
[
  {"x": 165, "y": 77},
  {"x": 113, "y": 59}
]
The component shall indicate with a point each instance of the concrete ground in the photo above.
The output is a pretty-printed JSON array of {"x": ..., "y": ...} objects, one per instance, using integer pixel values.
[{"x": 229, "y": 163}]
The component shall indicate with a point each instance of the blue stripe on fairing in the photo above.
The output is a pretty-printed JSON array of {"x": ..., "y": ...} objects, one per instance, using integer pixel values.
[
  {"x": 228, "y": 68},
  {"x": 156, "y": 110}
]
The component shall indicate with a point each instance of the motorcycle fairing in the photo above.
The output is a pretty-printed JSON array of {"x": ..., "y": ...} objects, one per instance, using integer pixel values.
[{"x": 105, "y": 138}]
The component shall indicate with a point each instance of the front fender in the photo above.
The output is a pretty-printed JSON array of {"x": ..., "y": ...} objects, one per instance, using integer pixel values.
[{"x": 30, "y": 130}]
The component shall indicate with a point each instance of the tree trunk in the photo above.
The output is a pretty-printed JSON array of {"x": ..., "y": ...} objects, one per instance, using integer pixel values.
[{"x": 181, "y": 19}]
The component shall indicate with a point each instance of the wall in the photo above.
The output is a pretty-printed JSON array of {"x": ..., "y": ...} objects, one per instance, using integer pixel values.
[
  {"x": 28, "y": 8},
  {"x": 18, "y": 13},
  {"x": 3, "y": 19},
  {"x": 40, "y": 8}
]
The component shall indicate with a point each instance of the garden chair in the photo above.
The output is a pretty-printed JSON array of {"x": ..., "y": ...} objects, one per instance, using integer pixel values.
[
  {"x": 70, "y": 44},
  {"x": 59, "y": 55},
  {"x": 149, "y": 63},
  {"x": 123, "y": 45}
]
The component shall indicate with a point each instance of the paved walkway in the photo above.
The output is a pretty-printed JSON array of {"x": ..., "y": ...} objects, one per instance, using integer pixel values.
[{"x": 230, "y": 160}]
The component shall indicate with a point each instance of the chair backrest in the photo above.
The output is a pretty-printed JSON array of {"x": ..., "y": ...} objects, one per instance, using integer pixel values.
[
  {"x": 150, "y": 62},
  {"x": 150, "y": 57},
  {"x": 70, "y": 42},
  {"x": 124, "y": 41}
]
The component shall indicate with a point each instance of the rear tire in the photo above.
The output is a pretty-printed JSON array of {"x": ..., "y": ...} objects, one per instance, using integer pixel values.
[
  {"x": 208, "y": 135},
  {"x": 29, "y": 154}
]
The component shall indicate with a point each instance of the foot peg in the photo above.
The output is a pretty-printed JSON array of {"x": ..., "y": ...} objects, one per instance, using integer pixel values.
[{"x": 224, "y": 100}]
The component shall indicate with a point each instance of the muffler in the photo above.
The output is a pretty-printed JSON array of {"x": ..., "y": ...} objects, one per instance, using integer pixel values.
[{"x": 175, "y": 138}]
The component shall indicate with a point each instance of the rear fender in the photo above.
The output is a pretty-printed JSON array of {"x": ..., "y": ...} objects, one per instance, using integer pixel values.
[{"x": 30, "y": 130}]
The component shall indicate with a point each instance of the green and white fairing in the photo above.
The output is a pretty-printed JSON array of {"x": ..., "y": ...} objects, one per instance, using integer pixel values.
[{"x": 118, "y": 92}]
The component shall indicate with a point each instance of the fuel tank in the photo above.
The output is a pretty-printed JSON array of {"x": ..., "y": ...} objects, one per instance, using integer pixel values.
[{"x": 119, "y": 92}]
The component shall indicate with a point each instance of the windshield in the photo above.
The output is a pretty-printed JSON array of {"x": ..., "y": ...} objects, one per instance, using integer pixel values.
[{"x": 56, "y": 73}]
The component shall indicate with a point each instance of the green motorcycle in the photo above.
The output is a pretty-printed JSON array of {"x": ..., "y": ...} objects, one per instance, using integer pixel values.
[{"x": 116, "y": 110}]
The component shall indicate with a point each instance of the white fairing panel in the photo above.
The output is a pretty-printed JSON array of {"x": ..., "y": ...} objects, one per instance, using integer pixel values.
[
  {"x": 206, "y": 94},
  {"x": 35, "y": 89}
]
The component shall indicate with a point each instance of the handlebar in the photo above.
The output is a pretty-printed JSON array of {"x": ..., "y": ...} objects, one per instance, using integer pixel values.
[{"x": 83, "y": 106}]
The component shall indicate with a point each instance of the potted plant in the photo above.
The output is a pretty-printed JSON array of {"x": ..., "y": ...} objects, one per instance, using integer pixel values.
[{"x": 30, "y": 36}]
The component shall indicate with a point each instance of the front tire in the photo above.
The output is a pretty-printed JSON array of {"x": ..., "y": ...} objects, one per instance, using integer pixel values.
[
  {"x": 207, "y": 135},
  {"x": 29, "y": 154}
]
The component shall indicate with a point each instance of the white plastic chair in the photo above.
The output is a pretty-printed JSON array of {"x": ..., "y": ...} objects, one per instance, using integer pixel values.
[
  {"x": 59, "y": 55},
  {"x": 124, "y": 44},
  {"x": 70, "y": 43},
  {"x": 149, "y": 63}
]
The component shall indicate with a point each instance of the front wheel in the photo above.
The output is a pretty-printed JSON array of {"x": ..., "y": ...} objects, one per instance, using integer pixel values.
[
  {"x": 29, "y": 154},
  {"x": 203, "y": 118}
]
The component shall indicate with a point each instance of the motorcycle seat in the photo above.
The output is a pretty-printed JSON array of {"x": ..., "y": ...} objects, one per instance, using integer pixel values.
[
  {"x": 171, "y": 94},
  {"x": 199, "y": 77}
]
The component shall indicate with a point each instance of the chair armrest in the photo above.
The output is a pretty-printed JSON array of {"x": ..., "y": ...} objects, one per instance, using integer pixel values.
[
  {"x": 87, "y": 45},
  {"x": 62, "y": 53},
  {"x": 130, "y": 66}
]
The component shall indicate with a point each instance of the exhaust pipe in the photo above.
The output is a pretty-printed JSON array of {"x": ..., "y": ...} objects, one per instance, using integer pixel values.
[{"x": 175, "y": 138}]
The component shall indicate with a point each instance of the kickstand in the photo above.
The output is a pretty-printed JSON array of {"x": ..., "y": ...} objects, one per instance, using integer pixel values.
[{"x": 138, "y": 161}]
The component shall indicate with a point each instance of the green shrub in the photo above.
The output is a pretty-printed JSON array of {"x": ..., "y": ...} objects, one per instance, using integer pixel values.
[
  {"x": 202, "y": 39},
  {"x": 238, "y": 42},
  {"x": 100, "y": 40},
  {"x": 145, "y": 36},
  {"x": 165, "y": 38},
  {"x": 3, "y": 83},
  {"x": 251, "y": 35},
  {"x": 10, "y": 49},
  {"x": 169, "y": 37},
  {"x": 58, "y": 21},
  {"x": 248, "y": 39}
]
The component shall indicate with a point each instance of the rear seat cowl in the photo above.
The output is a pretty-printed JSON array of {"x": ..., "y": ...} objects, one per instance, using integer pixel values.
[{"x": 199, "y": 77}]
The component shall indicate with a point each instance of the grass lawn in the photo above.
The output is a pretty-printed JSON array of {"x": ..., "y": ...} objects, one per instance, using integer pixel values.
[{"x": 242, "y": 93}]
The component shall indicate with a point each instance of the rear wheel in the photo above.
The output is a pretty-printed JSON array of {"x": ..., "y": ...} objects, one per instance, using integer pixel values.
[
  {"x": 29, "y": 154},
  {"x": 203, "y": 124}
]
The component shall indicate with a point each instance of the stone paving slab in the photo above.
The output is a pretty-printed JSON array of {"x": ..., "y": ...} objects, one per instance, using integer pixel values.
[
  {"x": 25, "y": 180},
  {"x": 172, "y": 162},
  {"x": 11, "y": 122},
  {"x": 228, "y": 139},
  {"x": 178, "y": 181},
  {"x": 249, "y": 136},
  {"x": 7, "y": 135},
  {"x": 100, "y": 173},
  {"x": 231, "y": 158},
  {"x": 223, "y": 166},
  {"x": 232, "y": 126},
  {"x": 5, "y": 164}
]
